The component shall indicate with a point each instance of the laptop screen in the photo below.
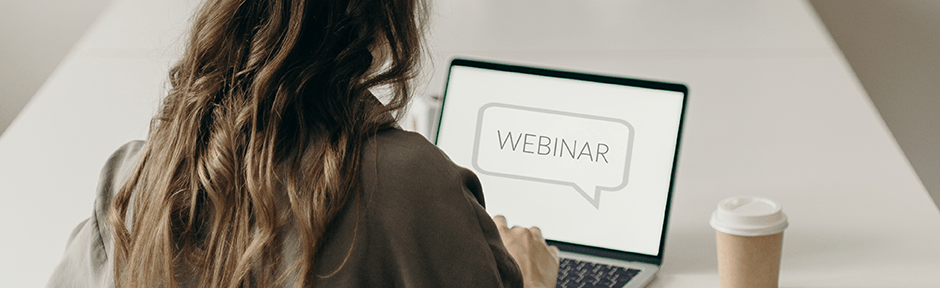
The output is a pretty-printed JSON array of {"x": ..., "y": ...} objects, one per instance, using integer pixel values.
[{"x": 588, "y": 159}]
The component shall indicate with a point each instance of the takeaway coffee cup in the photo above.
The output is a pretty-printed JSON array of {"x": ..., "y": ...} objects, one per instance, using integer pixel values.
[{"x": 749, "y": 231}]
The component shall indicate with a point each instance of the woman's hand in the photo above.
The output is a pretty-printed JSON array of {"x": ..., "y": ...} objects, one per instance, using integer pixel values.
[{"x": 537, "y": 260}]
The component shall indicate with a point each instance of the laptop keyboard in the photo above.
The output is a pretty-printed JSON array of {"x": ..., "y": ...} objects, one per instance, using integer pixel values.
[{"x": 583, "y": 274}]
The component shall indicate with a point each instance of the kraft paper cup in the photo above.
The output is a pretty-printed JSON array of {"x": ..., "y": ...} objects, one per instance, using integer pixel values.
[{"x": 749, "y": 233}]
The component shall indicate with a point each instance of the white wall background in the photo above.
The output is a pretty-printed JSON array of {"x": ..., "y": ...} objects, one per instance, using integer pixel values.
[{"x": 34, "y": 37}]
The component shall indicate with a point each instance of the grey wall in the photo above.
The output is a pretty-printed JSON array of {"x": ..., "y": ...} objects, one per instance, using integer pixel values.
[
  {"x": 894, "y": 49},
  {"x": 34, "y": 36}
]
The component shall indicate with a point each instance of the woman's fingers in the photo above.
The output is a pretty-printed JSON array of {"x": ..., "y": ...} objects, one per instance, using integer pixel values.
[
  {"x": 534, "y": 232},
  {"x": 554, "y": 251},
  {"x": 537, "y": 261},
  {"x": 537, "y": 234},
  {"x": 500, "y": 221}
]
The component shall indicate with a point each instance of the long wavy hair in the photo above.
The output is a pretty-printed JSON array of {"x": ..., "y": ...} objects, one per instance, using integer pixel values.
[{"x": 270, "y": 102}]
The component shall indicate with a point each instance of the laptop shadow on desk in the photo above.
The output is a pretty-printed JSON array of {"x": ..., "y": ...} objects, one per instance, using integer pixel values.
[{"x": 690, "y": 252}]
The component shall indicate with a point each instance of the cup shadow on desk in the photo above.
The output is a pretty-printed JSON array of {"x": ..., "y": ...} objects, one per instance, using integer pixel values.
[
  {"x": 693, "y": 252},
  {"x": 818, "y": 253},
  {"x": 821, "y": 256}
]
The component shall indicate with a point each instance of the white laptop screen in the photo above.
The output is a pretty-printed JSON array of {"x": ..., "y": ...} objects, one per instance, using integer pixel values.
[{"x": 590, "y": 163}]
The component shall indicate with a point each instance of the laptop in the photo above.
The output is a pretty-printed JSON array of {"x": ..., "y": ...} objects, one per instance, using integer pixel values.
[{"x": 589, "y": 159}]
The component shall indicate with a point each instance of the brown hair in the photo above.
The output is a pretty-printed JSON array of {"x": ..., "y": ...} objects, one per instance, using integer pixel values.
[{"x": 270, "y": 101}]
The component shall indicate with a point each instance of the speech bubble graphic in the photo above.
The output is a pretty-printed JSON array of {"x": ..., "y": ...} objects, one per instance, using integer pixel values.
[{"x": 589, "y": 153}]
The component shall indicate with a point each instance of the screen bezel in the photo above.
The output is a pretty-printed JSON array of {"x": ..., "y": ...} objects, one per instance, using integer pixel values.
[{"x": 573, "y": 247}]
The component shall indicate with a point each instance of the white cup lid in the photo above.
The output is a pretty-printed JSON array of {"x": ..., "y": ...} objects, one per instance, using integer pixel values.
[{"x": 748, "y": 216}]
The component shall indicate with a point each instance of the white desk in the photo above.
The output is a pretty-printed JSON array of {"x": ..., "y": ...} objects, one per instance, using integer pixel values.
[{"x": 774, "y": 111}]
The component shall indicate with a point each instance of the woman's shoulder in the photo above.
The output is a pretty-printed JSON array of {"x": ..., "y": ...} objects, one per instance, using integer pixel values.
[
  {"x": 115, "y": 172},
  {"x": 400, "y": 145},
  {"x": 407, "y": 161},
  {"x": 421, "y": 223},
  {"x": 88, "y": 252},
  {"x": 399, "y": 150}
]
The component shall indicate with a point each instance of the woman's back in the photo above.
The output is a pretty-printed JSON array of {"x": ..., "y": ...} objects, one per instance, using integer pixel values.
[
  {"x": 419, "y": 223},
  {"x": 270, "y": 101}
]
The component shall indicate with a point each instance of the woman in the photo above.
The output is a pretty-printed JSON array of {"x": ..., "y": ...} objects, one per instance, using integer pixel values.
[{"x": 271, "y": 164}]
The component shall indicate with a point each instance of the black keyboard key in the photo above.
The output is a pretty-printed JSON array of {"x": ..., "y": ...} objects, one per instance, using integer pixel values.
[{"x": 583, "y": 274}]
